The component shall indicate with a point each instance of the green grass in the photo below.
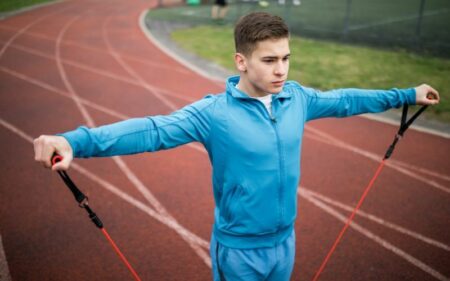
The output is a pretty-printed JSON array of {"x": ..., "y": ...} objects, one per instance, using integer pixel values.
[
  {"x": 383, "y": 22},
  {"x": 325, "y": 65},
  {"x": 11, "y": 5}
]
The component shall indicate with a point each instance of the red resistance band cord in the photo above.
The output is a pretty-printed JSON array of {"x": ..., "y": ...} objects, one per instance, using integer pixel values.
[
  {"x": 83, "y": 203},
  {"x": 404, "y": 125}
]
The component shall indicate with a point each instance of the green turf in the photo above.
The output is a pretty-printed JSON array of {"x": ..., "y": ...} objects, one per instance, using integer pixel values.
[
  {"x": 325, "y": 65},
  {"x": 11, "y": 5},
  {"x": 381, "y": 22}
]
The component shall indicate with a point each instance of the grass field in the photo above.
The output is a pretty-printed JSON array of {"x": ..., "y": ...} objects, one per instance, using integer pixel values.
[
  {"x": 326, "y": 65},
  {"x": 11, "y": 5},
  {"x": 381, "y": 22}
]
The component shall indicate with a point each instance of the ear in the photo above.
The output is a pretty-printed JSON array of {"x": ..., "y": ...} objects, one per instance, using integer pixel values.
[{"x": 241, "y": 62}]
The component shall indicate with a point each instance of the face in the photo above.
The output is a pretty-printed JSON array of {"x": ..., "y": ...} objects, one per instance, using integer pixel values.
[{"x": 265, "y": 70}]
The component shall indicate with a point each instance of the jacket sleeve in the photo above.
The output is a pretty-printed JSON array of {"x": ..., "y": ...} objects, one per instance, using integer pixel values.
[
  {"x": 189, "y": 124},
  {"x": 348, "y": 102}
]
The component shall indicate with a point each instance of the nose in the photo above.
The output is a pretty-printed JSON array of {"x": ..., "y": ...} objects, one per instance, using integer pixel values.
[{"x": 281, "y": 68}]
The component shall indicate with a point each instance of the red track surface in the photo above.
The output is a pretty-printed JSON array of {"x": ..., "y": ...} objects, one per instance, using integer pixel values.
[{"x": 93, "y": 53}]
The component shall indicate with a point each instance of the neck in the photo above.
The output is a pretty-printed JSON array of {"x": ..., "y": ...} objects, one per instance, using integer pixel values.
[{"x": 247, "y": 88}]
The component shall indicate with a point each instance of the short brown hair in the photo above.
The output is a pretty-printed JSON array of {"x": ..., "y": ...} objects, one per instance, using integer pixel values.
[{"x": 256, "y": 27}]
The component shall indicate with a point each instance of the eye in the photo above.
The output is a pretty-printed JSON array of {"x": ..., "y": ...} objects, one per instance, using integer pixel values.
[
  {"x": 285, "y": 58},
  {"x": 268, "y": 60}
]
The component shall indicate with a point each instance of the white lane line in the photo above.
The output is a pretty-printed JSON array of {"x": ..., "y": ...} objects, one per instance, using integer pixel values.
[
  {"x": 100, "y": 51},
  {"x": 173, "y": 55},
  {"x": 142, "y": 188},
  {"x": 382, "y": 119},
  {"x": 63, "y": 93},
  {"x": 62, "y": 72},
  {"x": 377, "y": 239},
  {"x": 21, "y": 31},
  {"x": 131, "y": 71},
  {"x": 4, "y": 269},
  {"x": 90, "y": 122},
  {"x": 192, "y": 239},
  {"x": 328, "y": 139},
  {"x": 91, "y": 104},
  {"x": 420, "y": 170},
  {"x": 378, "y": 220},
  {"x": 196, "y": 242},
  {"x": 121, "y": 164},
  {"x": 98, "y": 71},
  {"x": 131, "y": 176}
]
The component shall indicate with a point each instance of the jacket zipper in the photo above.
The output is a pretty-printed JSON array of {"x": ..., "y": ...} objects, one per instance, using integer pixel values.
[{"x": 273, "y": 122}]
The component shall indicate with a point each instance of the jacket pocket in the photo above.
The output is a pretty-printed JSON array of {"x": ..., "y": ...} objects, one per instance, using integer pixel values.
[
  {"x": 231, "y": 204},
  {"x": 247, "y": 210}
]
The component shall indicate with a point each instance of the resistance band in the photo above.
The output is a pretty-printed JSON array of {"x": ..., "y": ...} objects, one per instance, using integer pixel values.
[
  {"x": 404, "y": 125},
  {"x": 83, "y": 203}
]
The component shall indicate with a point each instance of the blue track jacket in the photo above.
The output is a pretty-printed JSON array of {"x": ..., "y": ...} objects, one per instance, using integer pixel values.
[{"x": 255, "y": 158}]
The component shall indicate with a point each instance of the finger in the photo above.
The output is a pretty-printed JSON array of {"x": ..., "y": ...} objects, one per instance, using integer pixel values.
[
  {"x": 47, "y": 152},
  {"x": 37, "y": 149},
  {"x": 435, "y": 101},
  {"x": 56, "y": 158},
  {"x": 58, "y": 167},
  {"x": 435, "y": 94},
  {"x": 429, "y": 89},
  {"x": 41, "y": 150},
  {"x": 63, "y": 164},
  {"x": 434, "y": 97}
]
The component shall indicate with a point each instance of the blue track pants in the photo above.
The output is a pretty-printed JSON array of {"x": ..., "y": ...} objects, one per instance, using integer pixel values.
[{"x": 268, "y": 264}]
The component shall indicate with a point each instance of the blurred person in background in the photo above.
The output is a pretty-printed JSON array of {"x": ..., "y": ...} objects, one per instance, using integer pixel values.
[{"x": 219, "y": 10}]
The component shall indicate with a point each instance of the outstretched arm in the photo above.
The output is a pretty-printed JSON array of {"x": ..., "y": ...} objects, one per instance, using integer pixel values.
[
  {"x": 188, "y": 124},
  {"x": 348, "y": 102}
]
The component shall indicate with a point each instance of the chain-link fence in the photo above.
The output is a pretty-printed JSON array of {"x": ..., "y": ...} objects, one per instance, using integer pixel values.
[{"x": 419, "y": 25}]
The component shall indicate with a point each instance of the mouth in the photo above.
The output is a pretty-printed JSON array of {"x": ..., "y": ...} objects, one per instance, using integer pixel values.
[{"x": 278, "y": 83}]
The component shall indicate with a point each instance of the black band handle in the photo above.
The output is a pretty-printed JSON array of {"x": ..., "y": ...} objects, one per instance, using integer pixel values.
[
  {"x": 404, "y": 125},
  {"x": 79, "y": 196}
]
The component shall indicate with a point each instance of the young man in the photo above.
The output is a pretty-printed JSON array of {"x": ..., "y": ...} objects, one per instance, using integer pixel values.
[{"x": 253, "y": 135}]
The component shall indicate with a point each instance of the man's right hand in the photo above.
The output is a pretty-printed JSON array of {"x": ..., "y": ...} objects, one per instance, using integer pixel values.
[{"x": 46, "y": 146}]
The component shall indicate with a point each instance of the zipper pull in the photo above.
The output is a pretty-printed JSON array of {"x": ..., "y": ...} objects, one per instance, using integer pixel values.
[{"x": 274, "y": 120}]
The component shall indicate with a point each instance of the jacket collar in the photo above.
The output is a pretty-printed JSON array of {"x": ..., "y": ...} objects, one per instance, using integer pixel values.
[{"x": 232, "y": 81}]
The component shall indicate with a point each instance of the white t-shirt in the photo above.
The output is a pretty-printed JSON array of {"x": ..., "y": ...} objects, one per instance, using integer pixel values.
[{"x": 266, "y": 100}]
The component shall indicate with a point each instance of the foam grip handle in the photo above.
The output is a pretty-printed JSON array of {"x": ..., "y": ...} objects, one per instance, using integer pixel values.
[
  {"x": 56, "y": 158},
  {"x": 430, "y": 96}
]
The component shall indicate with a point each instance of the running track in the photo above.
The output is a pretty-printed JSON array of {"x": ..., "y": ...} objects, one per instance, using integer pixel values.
[{"x": 88, "y": 62}]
